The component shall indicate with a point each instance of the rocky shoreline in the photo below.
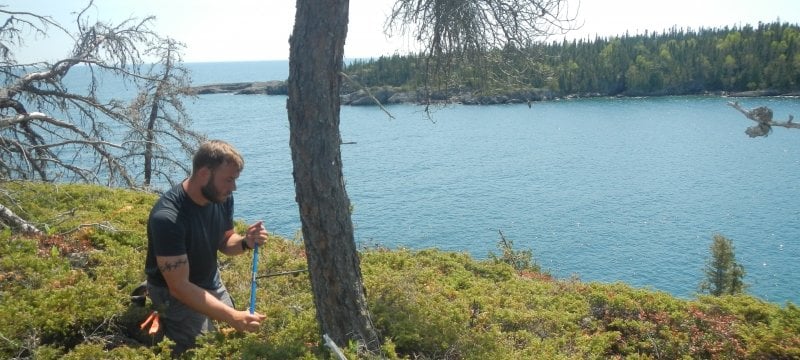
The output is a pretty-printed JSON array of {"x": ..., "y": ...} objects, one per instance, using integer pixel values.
[
  {"x": 391, "y": 95},
  {"x": 275, "y": 87}
]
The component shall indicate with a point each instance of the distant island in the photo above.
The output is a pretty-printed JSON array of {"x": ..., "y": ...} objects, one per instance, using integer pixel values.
[
  {"x": 383, "y": 94},
  {"x": 396, "y": 95},
  {"x": 274, "y": 87}
]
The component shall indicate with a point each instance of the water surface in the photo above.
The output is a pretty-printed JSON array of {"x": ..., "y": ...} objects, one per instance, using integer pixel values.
[{"x": 606, "y": 189}]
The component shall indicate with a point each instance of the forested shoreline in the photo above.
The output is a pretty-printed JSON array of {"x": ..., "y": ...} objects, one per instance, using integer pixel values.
[{"x": 749, "y": 60}]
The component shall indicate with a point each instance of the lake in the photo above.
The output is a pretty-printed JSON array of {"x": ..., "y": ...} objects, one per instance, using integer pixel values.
[{"x": 605, "y": 189}]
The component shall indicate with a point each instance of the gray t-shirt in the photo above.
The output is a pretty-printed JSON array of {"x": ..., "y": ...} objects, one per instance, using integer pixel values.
[{"x": 177, "y": 226}]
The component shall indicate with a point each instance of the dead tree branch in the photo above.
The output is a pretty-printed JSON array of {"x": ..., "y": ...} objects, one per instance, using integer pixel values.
[
  {"x": 488, "y": 40},
  {"x": 762, "y": 115},
  {"x": 56, "y": 129},
  {"x": 17, "y": 223}
]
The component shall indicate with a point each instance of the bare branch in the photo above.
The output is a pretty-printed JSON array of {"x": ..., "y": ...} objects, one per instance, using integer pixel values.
[
  {"x": 15, "y": 24},
  {"x": 762, "y": 115},
  {"x": 463, "y": 26},
  {"x": 48, "y": 131},
  {"x": 362, "y": 87},
  {"x": 474, "y": 38},
  {"x": 104, "y": 226}
]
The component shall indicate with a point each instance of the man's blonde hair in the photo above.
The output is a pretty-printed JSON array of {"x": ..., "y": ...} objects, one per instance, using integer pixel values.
[{"x": 214, "y": 153}]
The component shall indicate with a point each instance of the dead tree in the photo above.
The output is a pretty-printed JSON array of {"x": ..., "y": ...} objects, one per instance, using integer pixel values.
[
  {"x": 762, "y": 115},
  {"x": 160, "y": 134},
  {"x": 54, "y": 130}
]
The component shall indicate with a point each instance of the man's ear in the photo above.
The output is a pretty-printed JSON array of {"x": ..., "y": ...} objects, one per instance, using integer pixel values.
[{"x": 204, "y": 173}]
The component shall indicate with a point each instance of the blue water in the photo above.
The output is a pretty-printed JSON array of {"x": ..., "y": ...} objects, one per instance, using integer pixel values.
[
  {"x": 611, "y": 190},
  {"x": 607, "y": 190}
]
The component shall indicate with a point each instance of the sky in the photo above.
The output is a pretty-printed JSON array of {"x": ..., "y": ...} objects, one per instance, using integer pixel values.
[{"x": 254, "y": 30}]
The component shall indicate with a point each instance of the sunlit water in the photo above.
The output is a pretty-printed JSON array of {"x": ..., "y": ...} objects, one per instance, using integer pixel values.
[{"x": 608, "y": 190}]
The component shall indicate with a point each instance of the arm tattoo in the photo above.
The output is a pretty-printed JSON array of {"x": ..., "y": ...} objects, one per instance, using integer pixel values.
[{"x": 173, "y": 265}]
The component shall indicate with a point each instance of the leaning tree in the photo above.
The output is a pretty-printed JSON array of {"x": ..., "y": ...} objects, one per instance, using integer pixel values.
[{"x": 451, "y": 31}]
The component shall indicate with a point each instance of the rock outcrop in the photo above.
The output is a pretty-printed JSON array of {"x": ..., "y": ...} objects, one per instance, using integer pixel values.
[{"x": 274, "y": 87}]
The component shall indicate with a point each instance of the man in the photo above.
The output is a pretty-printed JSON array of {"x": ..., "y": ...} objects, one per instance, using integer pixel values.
[{"x": 187, "y": 227}]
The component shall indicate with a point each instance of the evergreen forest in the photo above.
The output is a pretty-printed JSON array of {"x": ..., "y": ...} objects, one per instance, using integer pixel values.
[{"x": 763, "y": 59}]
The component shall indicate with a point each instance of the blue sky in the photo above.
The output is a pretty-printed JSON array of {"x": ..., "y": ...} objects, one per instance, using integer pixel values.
[{"x": 247, "y": 30}]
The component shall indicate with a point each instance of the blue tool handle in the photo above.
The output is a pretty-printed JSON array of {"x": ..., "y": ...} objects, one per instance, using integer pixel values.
[{"x": 253, "y": 280}]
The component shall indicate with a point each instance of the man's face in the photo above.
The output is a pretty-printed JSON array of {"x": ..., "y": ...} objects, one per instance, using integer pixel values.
[{"x": 221, "y": 183}]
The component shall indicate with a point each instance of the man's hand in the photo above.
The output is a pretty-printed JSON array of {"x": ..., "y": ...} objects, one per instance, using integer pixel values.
[
  {"x": 245, "y": 321},
  {"x": 235, "y": 244},
  {"x": 256, "y": 234}
]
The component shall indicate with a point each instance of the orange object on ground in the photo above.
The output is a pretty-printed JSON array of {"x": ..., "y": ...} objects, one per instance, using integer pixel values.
[{"x": 152, "y": 321}]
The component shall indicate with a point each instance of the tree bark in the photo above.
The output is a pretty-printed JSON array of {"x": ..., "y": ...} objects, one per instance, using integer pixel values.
[
  {"x": 315, "y": 64},
  {"x": 17, "y": 223}
]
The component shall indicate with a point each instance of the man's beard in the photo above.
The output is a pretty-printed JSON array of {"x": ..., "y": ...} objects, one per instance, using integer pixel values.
[{"x": 210, "y": 192}]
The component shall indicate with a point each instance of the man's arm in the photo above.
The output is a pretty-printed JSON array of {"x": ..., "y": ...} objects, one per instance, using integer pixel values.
[
  {"x": 233, "y": 243},
  {"x": 175, "y": 270}
]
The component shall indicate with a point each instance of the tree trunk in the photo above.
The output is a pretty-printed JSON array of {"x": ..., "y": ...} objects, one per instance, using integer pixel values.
[
  {"x": 315, "y": 64},
  {"x": 150, "y": 139}
]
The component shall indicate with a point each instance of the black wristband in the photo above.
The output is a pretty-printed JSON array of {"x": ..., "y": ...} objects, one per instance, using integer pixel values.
[{"x": 245, "y": 247}]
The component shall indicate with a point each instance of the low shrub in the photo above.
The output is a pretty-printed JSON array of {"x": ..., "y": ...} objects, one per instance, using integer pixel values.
[{"x": 65, "y": 295}]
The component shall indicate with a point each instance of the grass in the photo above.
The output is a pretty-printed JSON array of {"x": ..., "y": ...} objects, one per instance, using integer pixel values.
[{"x": 66, "y": 295}]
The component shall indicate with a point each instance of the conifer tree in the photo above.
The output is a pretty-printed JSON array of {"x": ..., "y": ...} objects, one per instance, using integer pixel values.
[{"x": 724, "y": 276}]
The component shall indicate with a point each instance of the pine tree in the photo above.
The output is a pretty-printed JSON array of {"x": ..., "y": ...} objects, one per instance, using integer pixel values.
[{"x": 724, "y": 276}]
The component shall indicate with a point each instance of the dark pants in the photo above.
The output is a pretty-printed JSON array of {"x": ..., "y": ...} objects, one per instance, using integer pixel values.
[{"x": 181, "y": 324}]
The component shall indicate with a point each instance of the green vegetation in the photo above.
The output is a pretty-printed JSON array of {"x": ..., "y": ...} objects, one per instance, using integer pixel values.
[
  {"x": 677, "y": 62},
  {"x": 723, "y": 274},
  {"x": 65, "y": 295}
]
